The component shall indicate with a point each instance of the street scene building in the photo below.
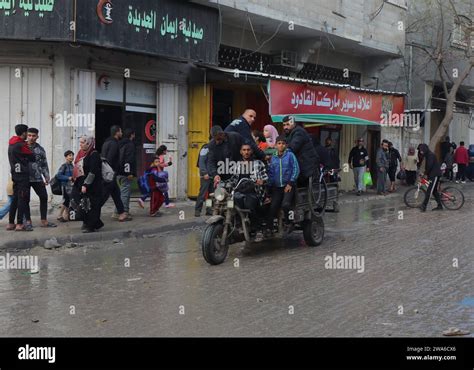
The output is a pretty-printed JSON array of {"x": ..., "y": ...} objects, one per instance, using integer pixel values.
[{"x": 272, "y": 168}]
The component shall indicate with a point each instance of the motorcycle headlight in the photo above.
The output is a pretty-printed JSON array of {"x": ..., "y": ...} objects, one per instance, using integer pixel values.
[{"x": 220, "y": 194}]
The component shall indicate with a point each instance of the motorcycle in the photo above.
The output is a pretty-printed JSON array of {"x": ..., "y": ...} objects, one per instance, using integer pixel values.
[{"x": 230, "y": 224}]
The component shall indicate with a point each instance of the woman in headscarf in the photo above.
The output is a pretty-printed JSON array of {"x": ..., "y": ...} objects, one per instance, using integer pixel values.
[
  {"x": 87, "y": 175},
  {"x": 270, "y": 133},
  {"x": 410, "y": 165}
]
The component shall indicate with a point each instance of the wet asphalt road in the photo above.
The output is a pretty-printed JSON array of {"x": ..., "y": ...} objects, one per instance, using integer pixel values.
[{"x": 409, "y": 286}]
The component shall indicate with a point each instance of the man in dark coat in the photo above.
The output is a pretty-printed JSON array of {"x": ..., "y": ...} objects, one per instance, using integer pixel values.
[
  {"x": 433, "y": 173},
  {"x": 301, "y": 145},
  {"x": 111, "y": 152},
  {"x": 243, "y": 126},
  {"x": 128, "y": 167},
  {"x": 224, "y": 150}
]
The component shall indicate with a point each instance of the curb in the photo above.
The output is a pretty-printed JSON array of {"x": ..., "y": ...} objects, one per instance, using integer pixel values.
[{"x": 101, "y": 236}]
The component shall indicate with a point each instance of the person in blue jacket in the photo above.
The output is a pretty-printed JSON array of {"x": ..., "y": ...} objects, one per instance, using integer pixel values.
[
  {"x": 64, "y": 175},
  {"x": 283, "y": 173}
]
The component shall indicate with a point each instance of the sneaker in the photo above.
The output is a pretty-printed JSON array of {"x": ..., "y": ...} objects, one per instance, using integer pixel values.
[
  {"x": 124, "y": 217},
  {"x": 141, "y": 203},
  {"x": 171, "y": 205},
  {"x": 463, "y": 182},
  {"x": 457, "y": 181},
  {"x": 439, "y": 208}
]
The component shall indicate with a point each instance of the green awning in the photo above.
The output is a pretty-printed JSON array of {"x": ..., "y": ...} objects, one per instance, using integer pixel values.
[{"x": 325, "y": 119}]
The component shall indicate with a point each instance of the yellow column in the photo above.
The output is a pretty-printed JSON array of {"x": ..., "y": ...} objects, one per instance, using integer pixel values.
[{"x": 198, "y": 131}]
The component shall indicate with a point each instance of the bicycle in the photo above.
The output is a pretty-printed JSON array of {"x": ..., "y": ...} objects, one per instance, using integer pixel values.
[
  {"x": 452, "y": 198},
  {"x": 319, "y": 204}
]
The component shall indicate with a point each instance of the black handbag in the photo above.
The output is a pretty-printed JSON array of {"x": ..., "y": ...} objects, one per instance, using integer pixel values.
[{"x": 56, "y": 186}]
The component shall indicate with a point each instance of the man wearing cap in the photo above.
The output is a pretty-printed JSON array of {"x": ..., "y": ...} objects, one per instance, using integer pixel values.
[
  {"x": 300, "y": 143},
  {"x": 359, "y": 162},
  {"x": 242, "y": 126},
  {"x": 224, "y": 148}
]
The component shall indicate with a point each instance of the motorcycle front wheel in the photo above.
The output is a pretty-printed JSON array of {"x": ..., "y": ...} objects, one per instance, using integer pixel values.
[{"x": 214, "y": 250}]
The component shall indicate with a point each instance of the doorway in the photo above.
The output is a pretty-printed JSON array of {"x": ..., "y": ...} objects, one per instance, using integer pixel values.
[
  {"x": 107, "y": 115},
  {"x": 222, "y": 114}
]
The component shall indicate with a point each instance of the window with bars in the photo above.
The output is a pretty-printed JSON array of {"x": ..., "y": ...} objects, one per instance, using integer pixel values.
[
  {"x": 246, "y": 60},
  {"x": 461, "y": 34}
]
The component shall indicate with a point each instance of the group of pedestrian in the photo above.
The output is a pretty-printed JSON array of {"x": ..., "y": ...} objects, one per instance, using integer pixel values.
[
  {"x": 459, "y": 161},
  {"x": 86, "y": 180},
  {"x": 29, "y": 170}
]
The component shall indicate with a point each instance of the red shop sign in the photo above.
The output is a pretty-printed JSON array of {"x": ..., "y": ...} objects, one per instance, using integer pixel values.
[{"x": 312, "y": 103}]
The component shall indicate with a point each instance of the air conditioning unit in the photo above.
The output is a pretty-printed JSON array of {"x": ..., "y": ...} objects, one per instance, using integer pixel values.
[{"x": 285, "y": 58}]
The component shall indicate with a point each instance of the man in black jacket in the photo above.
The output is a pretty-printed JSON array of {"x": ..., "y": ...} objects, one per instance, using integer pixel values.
[
  {"x": 395, "y": 158},
  {"x": 433, "y": 172},
  {"x": 205, "y": 180},
  {"x": 359, "y": 162},
  {"x": 301, "y": 145},
  {"x": 224, "y": 153},
  {"x": 111, "y": 152},
  {"x": 242, "y": 126},
  {"x": 19, "y": 156},
  {"x": 128, "y": 167}
]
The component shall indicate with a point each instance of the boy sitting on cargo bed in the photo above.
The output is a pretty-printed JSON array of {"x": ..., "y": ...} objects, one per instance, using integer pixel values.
[{"x": 282, "y": 175}]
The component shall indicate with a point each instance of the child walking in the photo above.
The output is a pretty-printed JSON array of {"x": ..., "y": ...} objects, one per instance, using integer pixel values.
[
  {"x": 161, "y": 153},
  {"x": 64, "y": 175},
  {"x": 153, "y": 183}
]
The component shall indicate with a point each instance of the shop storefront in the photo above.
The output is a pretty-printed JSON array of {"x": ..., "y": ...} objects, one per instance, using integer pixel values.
[
  {"x": 103, "y": 63},
  {"x": 340, "y": 112}
]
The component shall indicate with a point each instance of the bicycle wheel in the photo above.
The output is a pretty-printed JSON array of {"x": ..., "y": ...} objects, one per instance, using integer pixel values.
[
  {"x": 414, "y": 197},
  {"x": 452, "y": 198}
]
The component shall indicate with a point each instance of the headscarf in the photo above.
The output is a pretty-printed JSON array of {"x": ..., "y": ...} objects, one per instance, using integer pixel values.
[
  {"x": 79, "y": 161},
  {"x": 271, "y": 141}
]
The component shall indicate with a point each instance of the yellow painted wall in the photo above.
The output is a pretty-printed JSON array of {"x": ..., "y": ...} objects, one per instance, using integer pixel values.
[
  {"x": 200, "y": 98},
  {"x": 348, "y": 136}
]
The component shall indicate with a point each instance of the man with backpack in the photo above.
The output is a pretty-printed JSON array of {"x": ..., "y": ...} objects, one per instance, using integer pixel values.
[{"x": 111, "y": 153}]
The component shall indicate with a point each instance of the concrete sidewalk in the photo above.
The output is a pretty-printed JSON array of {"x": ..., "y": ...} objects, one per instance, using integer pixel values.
[{"x": 178, "y": 218}]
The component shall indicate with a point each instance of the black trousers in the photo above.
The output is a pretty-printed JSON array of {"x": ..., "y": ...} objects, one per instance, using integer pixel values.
[
  {"x": 40, "y": 190},
  {"x": 411, "y": 177},
  {"x": 432, "y": 190},
  {"x": 282, "y": 200},
  {"x": 461, "y": 172},
  {"x": 112, "y": 189},
  {"x": 92, "y": 219},
  {"x": 206, "y": 186},
  {"x": 21, "y": 201}
]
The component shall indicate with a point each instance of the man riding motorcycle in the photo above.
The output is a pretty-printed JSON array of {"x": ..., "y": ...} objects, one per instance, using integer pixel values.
[{"x": 249, "y": 194}]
